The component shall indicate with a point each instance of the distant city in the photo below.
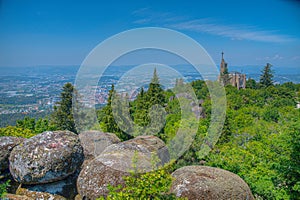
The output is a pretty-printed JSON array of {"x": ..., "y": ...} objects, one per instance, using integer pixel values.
[{"x": 34, "y": 91}]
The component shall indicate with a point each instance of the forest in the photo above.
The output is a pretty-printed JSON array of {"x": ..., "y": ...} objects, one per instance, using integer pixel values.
[{"x": 260, "y": 139}]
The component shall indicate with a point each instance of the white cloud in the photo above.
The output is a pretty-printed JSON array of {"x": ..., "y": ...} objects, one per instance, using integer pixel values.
[
  {"x": 275, "y": 57},
  {"x": 296, "y": 58},
  {"x": 234, "y": 32},
  {"x": 209, "y": 26}
]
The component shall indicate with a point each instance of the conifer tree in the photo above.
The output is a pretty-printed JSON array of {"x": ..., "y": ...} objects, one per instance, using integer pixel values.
[
  {"x": 62, "y": 116},
  {"x": 155, "y": 93},
  {"x": 140, "y": 109},
  {"x": 108, "y": 121},
  {"x": 145, "y": 102},
  {"x": 266, "y": 78}
]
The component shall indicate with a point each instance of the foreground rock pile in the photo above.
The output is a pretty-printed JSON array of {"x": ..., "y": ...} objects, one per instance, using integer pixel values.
[
  {"x": 202, "y": 182},
  {"x": 6, "y": 145},
  {"x": 115, "y": 162},
  {"x": 61, "y": 164},
  {"x": 46, "y": 158}
]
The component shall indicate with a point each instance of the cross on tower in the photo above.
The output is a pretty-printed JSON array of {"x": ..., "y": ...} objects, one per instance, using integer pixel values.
[{"x": 222, "y": 54}]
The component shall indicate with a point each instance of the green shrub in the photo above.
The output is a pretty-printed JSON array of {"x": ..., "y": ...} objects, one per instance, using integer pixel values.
[
  {"x": 16, "y": 132},
  {"x": 151, "y": 185},
  {"x": 3, "y": 189}
]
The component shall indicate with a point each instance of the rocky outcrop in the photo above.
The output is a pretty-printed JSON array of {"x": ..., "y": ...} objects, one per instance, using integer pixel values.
[
  {"x": 47, "y": 157},
  {"x": 116, "y": 161},
  {"x": 7, "y": 144},
  {"x": 147, "y": 147},
  {"x": 38, "y": 195},
  {"x": 94, "y": 142},
  {"x": 94, "y": 178},
  {"x": 17, "y": 197},
  {"x": 202, "y": 182},
  {"x": 65, "y": 187}
]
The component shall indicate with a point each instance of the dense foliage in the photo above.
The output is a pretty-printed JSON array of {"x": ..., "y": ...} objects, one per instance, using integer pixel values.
[
  {"x": 260, "y": 140},
  {"x": 12, "y": 118},
  {"x": 16, "y": 132},
  {"x": 151, "y": 185},
  {"x": 146, "y": 122},
  {"x": 260, "y": 137}
]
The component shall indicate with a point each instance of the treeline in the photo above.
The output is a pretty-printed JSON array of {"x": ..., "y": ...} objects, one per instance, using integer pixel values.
[
  {"x": 12, "y": 118},
  {"x": 260, "y": 140}
]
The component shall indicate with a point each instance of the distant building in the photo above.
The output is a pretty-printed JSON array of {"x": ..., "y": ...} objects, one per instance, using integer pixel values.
[{"x": 235, "y": 79}]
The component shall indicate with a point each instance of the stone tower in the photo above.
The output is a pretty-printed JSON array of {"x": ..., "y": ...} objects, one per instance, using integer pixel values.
[
  {"x": 235, "y": 79},
  {"x": 223, "y": 65}
]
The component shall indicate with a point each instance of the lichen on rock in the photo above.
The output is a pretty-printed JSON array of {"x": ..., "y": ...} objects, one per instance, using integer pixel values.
[
  {"x": 46, "y": 157},
  {"x": 7, "y": 144},
  {"x": 94, "y": 142},
  {"x": 202, "y": 182},
  {"x": 117, "y": 161},
  {"x": 38, "y": 195}
]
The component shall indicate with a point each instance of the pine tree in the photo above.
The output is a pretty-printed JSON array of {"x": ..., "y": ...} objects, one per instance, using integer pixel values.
[
  {"x": 108, "y": 122},
  {"x": 143, "y": 105},
  {"x": 266, "y": 78},
  {"x": 62, "y": 116},
  {"x": 140, "y": 109},
  {"x": 155, "y": 93}
]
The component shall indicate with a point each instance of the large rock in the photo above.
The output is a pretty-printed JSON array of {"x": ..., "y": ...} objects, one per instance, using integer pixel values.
[
  {"x": 38, "y": 195},
  {"x": 94, "y": 142},
  {"x": 202, "y": 182},
  {"x": 7, "y": 144},
  {"x": 47, "y": 157},
  {"x": 148, "y": 147},
  {"x": 116, "y": 161},
  {"x": 95, "y": 177},
  {"x": 10, "y": 196},
  {"x": 65, "y": 188}
]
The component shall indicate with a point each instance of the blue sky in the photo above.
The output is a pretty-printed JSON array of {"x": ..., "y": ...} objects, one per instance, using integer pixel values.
[{"x": 64, "y": 32}]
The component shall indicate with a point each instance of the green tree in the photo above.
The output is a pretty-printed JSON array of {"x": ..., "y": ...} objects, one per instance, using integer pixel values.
[
  {"x": 292, "y": 167},
  {"x": 271, "y": 114},
  {"x": 26, "y": 123},
  {"x": 139, "y": 109},
  {"x": 42, "y": 125},
  {"x": 62, "y": 116},
  {"x": 155, "y": 93},
  {"x": 108, "y": 123},
  {"x": 251, "y": 83},
  {"x": 36, "y": 126},
  {"x": 155, "y": 99},
  {"x": 147, "y": 110},
  {"x": 266, "y": 78},
  {"x": 109, "y": 116}
]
